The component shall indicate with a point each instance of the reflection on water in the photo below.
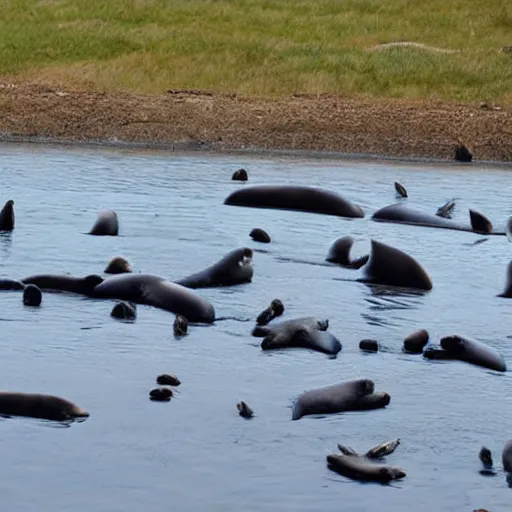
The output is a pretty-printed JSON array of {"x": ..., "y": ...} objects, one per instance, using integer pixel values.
[{"x": 195, "y": 452}]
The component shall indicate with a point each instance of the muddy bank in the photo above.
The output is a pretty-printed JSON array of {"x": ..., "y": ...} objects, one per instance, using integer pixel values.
[{"x": 202, "y": 120}]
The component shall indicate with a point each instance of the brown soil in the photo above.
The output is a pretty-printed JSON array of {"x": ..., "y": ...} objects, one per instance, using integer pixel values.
[{"x": 202, "y": 120}]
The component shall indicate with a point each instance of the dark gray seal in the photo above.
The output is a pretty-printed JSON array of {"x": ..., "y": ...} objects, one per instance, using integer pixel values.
[
  {"x": 48, "y": 407},
  {"x": 297, "y": 198},
  {"x": 160, "y": 394},
  {"x": 377, "y": 452},
  {"x": 339, "y": 253},
  {"x": 259, "y": 235},
  {"x": 106, "y": 224},
  {"x": 474, "y": 352},
  {"x": 506, "y": 457},
  {"x": 32, "y": 295},
  {"x": 369, "y": 345},
  {"x": 485, "y": 457},
  {"x": 124, "y": 310},
  {"x": 118, "y": 265},
  {"x": 291, "y": 324},
  {"x": 507, "y": 292},
  {"x": 462, "y": 154},
  {"x": 348, "y": 396},
  {"x": 302, "y": 336},
  {"x": 244, "y": 410},
  {"x": 234, "y": 268},
  {"x": 240, "y": 175},
  {"x": 11, "y": 284},
  {"x": 167, "y": 379},
  {"x": 415, "y": 342},
  {"x": 275, "y": 309},
  {"x": 437, "y": 353},
  {"x": 65, "y": 283},
  {"x": 359, "y": 468},
  {"x": 158, "y": 292},
  {"x": 7, "y": 216},
  {"x": 390, "y": 266}
]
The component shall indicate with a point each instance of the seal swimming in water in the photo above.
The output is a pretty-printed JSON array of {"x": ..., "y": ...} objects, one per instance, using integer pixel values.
[
  {"x": 158, "y": 292},
  {"x": 259, "y": 235},
  {"x": 354, "y": 395},
  {"x": 369, "y": 345},
  {"x": 240, "y": 175},
  {"x": 301, "y": 336},
  {"x": 234, "y": 268},
  {"x": 160, "y": 394},
  {"x": 118, "y": 265},
  {"x": 359, "y": 468},
  {"x": 297, "y": 198},
  {"x": 474, "y": 352},
  {"x": 244, "y": 410},
  {"x": 34, "y": 405},
  {"x": 400, "y": 190},
  {"x": 124, "y": 310},
  {"x": 293, "y": 323},
  {"x": 275, "y": 309},
  {"x": 339, "y": 253},
  {"x": 168, "y": 380},
  {"x": 180, "y": 325},
  {"x": 507, "y": 292},
  {"x": 11, "y": 284},
  {"x": 32, "y": 295},
  {"x": 106, "y": 224},
  {"x": 485, "y": 457},
  {"x": 415, "y": 342},
  {"x": 7, "y": 216},
  {"x": 65, "y": 283}
]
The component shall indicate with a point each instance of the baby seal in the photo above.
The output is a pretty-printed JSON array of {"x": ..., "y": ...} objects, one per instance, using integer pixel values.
[
  {"x": 118, "y": 265},
  {"x": 168, "y": 380},
  {"x": 32, "y": 295},
  {"x": 160, "y": 394},
  {"x": 244, "y": 410}
]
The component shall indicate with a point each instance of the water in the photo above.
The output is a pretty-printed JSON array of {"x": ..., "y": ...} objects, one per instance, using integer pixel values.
[{"x": 196, "y": 453}]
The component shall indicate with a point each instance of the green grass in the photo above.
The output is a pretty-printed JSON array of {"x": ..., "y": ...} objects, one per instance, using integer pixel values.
[{"x": 263, "y": 47}]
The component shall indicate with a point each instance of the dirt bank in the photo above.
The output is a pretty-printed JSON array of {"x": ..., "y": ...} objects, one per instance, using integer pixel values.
[{"x": 396, "y": 128}]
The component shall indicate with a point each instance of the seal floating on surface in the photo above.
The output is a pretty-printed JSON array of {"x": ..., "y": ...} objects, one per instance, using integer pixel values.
[
  {"x": 7, "y": 216},
  {"x": 65, "y": 283},
  {"x": 244, "y": 410},
  {"x": 339, "y": 253},
  {"x": 400, "y": 190},
  {"x": 118, "y": 265},
  {"x": 415, "y": 342},
  {"x": 124, "y": 310},
  {"x": 32, "y": 295},
  {"x": 275, "y": 309},
  {"x": 106, "y": 224},
  {"x": 259, "y": 235},
  {"x": 357, "y": 468},
  {"x": 240, "y": 175}
]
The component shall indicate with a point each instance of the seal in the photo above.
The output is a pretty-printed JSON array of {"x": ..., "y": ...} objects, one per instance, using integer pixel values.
[
  {"x": 259, "y": 235},
  {"x": 390, "y": 266},
  {"x": 438, "y": 354},
  {"x": 415, "y": 342},
  {"x": 180, "y": 325},
  {"x": 65, "y": 283},
  {"x": 244, "y": 410},
  {"x": 124, "y": 310},
  {"x": 11, "y": 284},
  {"x": 346, "y": 396},
  {"x": 377, "y": 452},
  {"x": 106, "y": 224},
  {"x": 297, "y": 198},
  {"x": 261, "y": 331},
  {"x": 462, "y": 154},
  {"x": 507, "y": 292},
  {"x": 446, "y": 209},
  {"x": 234, "y": 268},
  {"x": 34, "y": 405},
  {"x": 369, "y": 345},
  {"x": 400, "y": 190},
  {"x": 118, "y": 265},
  {"x": 401, "y": 213},
  {"x": 474, "y": 352},
  {"x": 32, "y": 295},
  {"x": 160, "y": 394},
  {"x": 506, "y": 457},
  {"x": 158, "y": 292},
  {"x": 357, "y": 468},
  {"x": 275, "y": 309},
  {"x": 485, "y": 457},
  {"x": 240, "y": 175},
  {"x": 302, "y": 336},
  {"x": 339, "y": 253},
  {"x": 168, "y": 380},
  {"x": 7, "y": 216}
]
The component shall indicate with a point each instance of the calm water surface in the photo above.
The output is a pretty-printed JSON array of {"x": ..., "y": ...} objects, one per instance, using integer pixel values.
[{"x": 196, "y": 453}]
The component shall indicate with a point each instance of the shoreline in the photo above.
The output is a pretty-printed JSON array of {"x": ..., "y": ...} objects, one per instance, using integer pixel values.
[{"x": 312, "y": 125}]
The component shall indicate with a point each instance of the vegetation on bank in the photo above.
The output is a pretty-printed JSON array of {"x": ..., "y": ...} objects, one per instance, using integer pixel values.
[{"x": 263, "y": 47}]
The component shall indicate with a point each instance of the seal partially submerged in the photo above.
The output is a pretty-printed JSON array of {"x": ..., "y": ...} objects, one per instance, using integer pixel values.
[
  {"x": 7, "y": 216},
  {"x": 106, "y": 224}
]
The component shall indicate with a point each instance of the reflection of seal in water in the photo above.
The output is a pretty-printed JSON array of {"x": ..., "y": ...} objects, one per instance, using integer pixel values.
[
  {"x": 180, "y": 325},
  {"x": 369, "y": 345},
  {"x": 292, "y": 197},
  {"x": 34, "y": 405},
  {"x": 339, "y": 253},
  {"x": 359, "y": 468},
  {"x": 124, "y": 310},
  {"x": 275, "y": 309},
  {"x": 160, "y": 394},
  {"x": 158, "y": 292},
  {"x": 353, "y": 395},
  {"x": 415, "y": 342},
  {"x": 234, "y": 268},
  {"x": 261, "y": 331},
  {"x": 400, "y": 189},
  {"x": 63, "y": 283},
  {"x": 390, "y": 266},
  {"x": 475, "y": 352},
  {"x": 106, "y": 224},
  {"x": 259, "y": 235},
  {"x": 11, "y": 284},
  {"x": 32, "y": 295},
  {"x": 240, "y": 175},
  {"x": 244, "y": 410},
  {"x": 168, "y": 380},
  {"x": 302, "y": 337},
  {"x": 118, "y": 265},
  {"x": 7, "y": 216}
]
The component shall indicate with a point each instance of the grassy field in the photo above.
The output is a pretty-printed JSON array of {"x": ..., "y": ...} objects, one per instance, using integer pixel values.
[{"x": 263, "y": 47}]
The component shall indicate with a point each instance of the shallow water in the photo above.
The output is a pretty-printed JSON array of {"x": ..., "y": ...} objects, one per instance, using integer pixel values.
[{"x": 196, "y": 453}]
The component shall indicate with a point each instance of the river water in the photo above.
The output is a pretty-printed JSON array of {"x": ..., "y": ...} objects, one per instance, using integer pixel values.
[{"x": 195, "y": 452}]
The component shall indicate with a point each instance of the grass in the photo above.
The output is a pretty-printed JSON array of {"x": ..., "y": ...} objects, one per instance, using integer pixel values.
[{"x": 263, "y": 47}]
